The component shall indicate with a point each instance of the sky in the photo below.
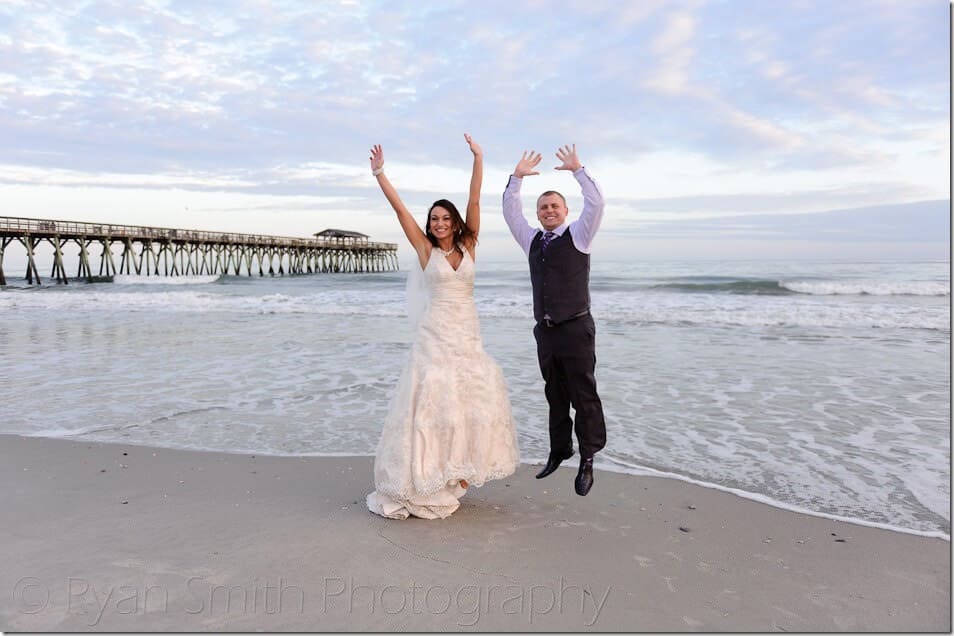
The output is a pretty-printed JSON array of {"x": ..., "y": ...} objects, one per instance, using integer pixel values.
[{"x": 716, "y": 128}]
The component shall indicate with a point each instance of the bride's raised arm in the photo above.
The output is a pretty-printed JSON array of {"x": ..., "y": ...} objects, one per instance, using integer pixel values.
[
  {"x": 473, "y": 200},
  {"x": 411, "y": 229}
]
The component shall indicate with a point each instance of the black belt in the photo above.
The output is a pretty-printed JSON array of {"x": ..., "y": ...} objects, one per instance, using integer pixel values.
[{"x": 546, "y": 322}]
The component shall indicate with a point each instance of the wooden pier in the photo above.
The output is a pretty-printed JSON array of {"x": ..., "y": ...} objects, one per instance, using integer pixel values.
[{"x": 156, "y": 251}]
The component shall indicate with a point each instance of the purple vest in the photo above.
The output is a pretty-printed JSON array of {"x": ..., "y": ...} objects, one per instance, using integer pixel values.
[{"x": 561, "y": 278}]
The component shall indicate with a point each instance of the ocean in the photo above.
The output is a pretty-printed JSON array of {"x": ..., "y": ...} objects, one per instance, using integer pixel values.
[{"x": 816, "y": 386}]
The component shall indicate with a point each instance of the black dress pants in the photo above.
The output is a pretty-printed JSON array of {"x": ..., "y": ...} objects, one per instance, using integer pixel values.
[{"x": 567, "y": 356}]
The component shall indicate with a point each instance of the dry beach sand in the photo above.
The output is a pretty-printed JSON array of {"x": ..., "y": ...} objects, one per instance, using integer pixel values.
[{"x": 107, "y": 537}]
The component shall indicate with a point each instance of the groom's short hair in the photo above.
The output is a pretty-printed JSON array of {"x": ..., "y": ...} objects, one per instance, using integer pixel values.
[{"x": 549, "y": 192}]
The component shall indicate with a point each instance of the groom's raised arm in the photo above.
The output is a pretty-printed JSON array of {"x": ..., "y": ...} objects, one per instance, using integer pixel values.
[
  {"x": 583, "y": 230},
  {"x": 513, "y": 208}
]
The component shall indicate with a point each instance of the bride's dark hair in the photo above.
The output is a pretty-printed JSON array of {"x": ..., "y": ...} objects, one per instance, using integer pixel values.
[{"x": 462, "y": 233}]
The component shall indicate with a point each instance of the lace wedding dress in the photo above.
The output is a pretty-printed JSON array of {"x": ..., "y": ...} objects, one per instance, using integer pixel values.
[{"x": 449, "y": 419}]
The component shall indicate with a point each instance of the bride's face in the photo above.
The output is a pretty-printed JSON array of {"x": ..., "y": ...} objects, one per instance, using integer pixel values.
[{"x": 441, "y": 223}]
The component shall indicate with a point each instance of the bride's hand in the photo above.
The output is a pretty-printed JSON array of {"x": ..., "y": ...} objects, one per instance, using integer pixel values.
[
  {"x": 377, "y": 157},
  {"x": 474, "y": 146}
]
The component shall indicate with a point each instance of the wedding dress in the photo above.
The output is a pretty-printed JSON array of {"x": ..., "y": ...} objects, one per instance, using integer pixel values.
[{"x": 449, "y": 418}]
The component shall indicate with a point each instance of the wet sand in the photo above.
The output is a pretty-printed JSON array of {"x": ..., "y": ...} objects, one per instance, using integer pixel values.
[{"x": 111, "y": 537}]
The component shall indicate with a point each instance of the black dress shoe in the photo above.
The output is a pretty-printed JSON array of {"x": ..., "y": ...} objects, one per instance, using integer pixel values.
[
  {"x": 584, "y": 478},
  {"x": 553, "y": 462}
]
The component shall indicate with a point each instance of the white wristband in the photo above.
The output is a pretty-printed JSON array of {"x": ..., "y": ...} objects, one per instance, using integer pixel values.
[{"x": 377, "y": 171}]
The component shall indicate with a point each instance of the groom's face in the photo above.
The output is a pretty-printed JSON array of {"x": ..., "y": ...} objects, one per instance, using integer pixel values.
[{"x": 551, "y": 211}]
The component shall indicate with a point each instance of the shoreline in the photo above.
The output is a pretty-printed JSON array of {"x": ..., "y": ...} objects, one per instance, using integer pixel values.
[
  {"x": 608, "y": 465},
  {"x": 118, "y": 537}
]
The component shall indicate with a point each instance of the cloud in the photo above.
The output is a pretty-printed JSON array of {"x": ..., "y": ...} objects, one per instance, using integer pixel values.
[
  {"x": 800, "y": 106},
  {"x": 674, "y": 51},
  {"x": 917, "y": 222}
]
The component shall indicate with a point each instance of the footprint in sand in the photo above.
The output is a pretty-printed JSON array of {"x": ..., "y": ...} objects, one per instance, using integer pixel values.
[
  {"x": 692, "y": 622},
  {"x": 669, "y": 580}
]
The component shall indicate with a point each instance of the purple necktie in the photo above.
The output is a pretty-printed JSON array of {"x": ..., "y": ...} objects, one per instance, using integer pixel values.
[{"x": 547, "y": 237}]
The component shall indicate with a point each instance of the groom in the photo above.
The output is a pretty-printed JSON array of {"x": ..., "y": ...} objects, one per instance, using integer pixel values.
[{"x": 559, "y": 257}]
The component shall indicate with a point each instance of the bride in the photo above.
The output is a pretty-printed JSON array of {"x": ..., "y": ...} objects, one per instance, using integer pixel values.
[{"x": 449, "y": 424}]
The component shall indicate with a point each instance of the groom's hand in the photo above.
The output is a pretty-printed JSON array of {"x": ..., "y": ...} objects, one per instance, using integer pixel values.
[
  {"x": 527, "y": 163},
  {"x": 567, "y": 155}
]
